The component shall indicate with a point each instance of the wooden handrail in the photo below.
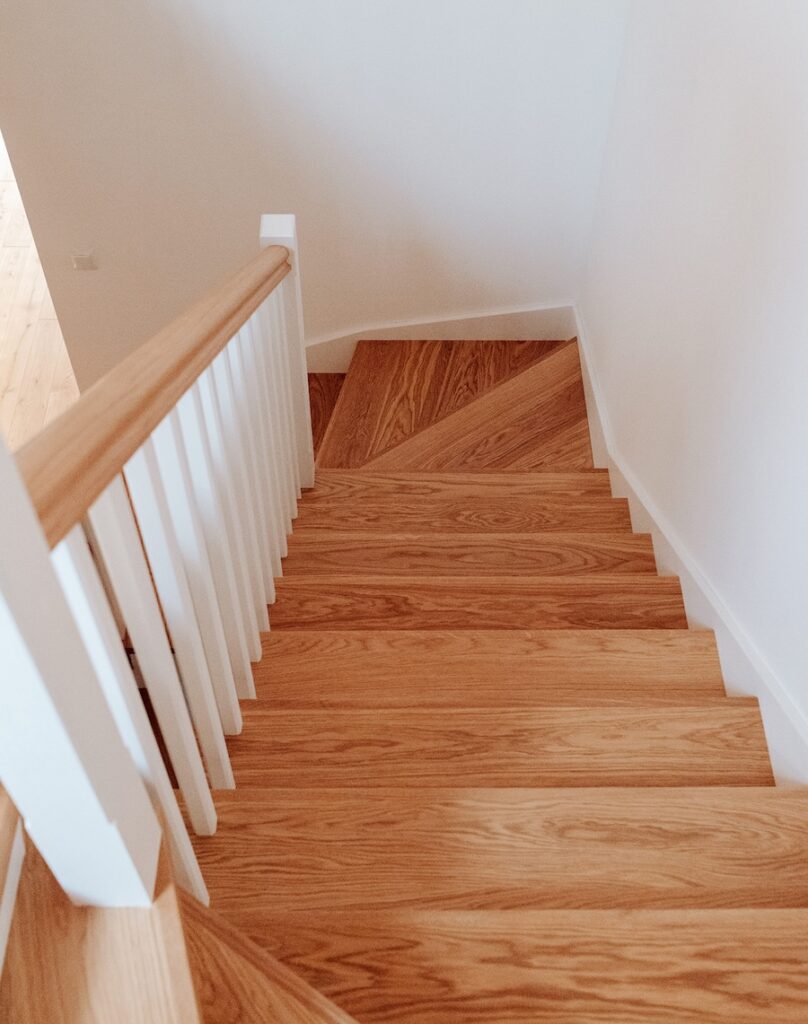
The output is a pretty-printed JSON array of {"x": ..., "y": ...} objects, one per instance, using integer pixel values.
[{"x": 70, "y": 463}]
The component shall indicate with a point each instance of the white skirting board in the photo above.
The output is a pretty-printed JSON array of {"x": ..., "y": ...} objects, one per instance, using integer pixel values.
[
  {"x": 746, "y": 670},
  {"x": 8, "y": 897},
  {"x": 332, "y": 353}
]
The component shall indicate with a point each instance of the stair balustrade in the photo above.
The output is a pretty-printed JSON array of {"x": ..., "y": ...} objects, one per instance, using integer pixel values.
[{"x": 141, "y": 535}]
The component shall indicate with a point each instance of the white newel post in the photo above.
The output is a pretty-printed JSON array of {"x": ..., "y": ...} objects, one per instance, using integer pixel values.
[
  {"x": 62, "y": 759},
  {"x": 280, "y": 229}
]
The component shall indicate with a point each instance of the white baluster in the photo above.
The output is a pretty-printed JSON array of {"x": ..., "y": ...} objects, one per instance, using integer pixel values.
[
  {"x": 262, "y": 437},
  {"x": 215, "y": 516},
  {"x": 226, "y": 477},
  {"x": 242, "y": 392},
  {"x": 91, "y": 610},
  {"x": 275, "y": 308},
  {"x": 235, "y": 456},
  {"x": 279, "y": 403},
  {"x": 62, "y": 760},
  {"x": 120, "y": 546},
  {"x": 257, "y": 358},
  {"x": 159, "y": 539},
  {"x": 281, "y": 229},
  {"x": 172, "y": 460}
]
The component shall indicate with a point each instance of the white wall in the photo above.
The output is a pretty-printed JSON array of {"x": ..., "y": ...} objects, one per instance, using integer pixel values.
[
  {"x": 695, "y": 309},
  {"x": 442, "y": 157}
]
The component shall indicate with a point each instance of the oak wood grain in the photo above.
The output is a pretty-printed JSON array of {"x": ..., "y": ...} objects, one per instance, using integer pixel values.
[
  {"x": 360, "y": 485},
  {"x": 237, "y": 982},
  {"x": 486, "y": 668},
  {"x": 36, "y": 378},
  {"x": 504, "y": 513},
  {"x": 69, "y": 463},
  {"x": 394, "y": 388},
  {"x": 536, "y": 418},
  {"x": 490, "y": 602},
  {"x": 295, "y": 850},
  {"x": 324, "y": 389},
  {"x": 95, "y": 965},
  {"x": 336, "y": 553},
  {"x": 718, "y": 743},
  {"x": 564, "y": 967}
]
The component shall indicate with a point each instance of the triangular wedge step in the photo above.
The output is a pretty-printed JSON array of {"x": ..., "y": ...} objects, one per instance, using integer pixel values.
[
  {"x": 719, "y": 743},
  {"x": 477, "y": 602},
  {"x": 537, "y": 418},
  {"x": 324, "y": 389},
  {"x": 238, "y": 981},
  {"x": 451, "y": 554},
  {"x": 394, "y": 388},
  {"x": 555, "y": 967},
  {"x": 365, "y": 848},
  {"x": 303, "y": 669}
]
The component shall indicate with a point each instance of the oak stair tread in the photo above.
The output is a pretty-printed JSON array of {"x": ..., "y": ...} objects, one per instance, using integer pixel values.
[
  {"x": 565, "y": 967},
  {"x": 393, "y": 388},
  {"x": 469, "y": 554},
  {"x": 487, "y": 668},
  {"x": 300, "y": 849},
  {"x": 535, "y": 418},
  {"x": 720, "y": 743},
  {"x": 489, "y": 602}
]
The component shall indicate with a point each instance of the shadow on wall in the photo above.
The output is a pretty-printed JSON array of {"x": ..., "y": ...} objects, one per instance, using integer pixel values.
[
  {"x": 695, "y": 313},
  {"x": 431, "y": 171}
]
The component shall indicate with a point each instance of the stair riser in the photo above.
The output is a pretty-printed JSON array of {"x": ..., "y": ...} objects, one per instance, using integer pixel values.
[
  {"x": 590, "y": 514},
  {"x": 577, "y": 668},
  {"x": 714, "y": 745},
  {"x": 372, "y": 485},
  {"x": 594, "y": 603},
  {"x": 472, "y": 555}
]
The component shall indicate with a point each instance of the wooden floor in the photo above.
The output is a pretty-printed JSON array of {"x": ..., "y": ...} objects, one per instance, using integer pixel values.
[
  {"x": 36, "y": 379},
  {"x": 491, "y": 775}
]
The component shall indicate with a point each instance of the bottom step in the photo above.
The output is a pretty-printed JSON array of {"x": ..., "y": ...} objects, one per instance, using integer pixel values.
[
  {"x": 568, "y": 967},
  {"x": 237, "y": 981}
]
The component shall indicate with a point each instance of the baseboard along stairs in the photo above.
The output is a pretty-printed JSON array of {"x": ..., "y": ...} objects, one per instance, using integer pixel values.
[{"x": 490, "y": 774}]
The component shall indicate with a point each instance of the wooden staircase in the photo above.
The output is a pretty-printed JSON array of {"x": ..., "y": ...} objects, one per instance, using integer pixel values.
[{"x": 491, "y": 775}]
